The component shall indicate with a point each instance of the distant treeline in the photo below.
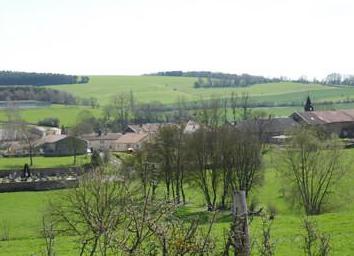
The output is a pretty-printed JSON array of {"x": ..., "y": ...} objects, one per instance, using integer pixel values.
[
  {"x": 339, "y": 79},
  {"x": 18, "y": 93},
  {"x": 25, "y": 78},
  {"x": 15, "y": 93},
  {"x": 207, "y": 79}
]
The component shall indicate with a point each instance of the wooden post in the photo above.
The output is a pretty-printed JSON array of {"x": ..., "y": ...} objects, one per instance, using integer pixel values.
[{"x": 240, "y": 224}]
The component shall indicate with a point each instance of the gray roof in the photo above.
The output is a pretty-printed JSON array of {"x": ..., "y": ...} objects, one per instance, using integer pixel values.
[
  {"x": 104, "y": 136},
  {"x": 132, "y": 138},
  {"x": 269, "y": 125},
  {"x": 50, "y": 139},
  {"x": 145, "y": 128},
  {"x": 191, "y": 127}
]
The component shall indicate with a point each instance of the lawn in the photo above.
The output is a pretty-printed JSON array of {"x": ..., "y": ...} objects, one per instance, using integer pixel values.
[
  {"x": 8, "y": 163},
  {"x": 22, "y": 212}
]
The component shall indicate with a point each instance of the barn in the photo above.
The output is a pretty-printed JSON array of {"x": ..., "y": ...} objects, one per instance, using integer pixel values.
[
  {"x": 60, "y": 145},
  {"x": 340, "y": 122}
]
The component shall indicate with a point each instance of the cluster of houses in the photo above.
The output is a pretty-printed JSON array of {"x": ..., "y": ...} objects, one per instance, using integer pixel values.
[
  {"x": 48, "y": 141},
  {"x": 275, "y": 130}
]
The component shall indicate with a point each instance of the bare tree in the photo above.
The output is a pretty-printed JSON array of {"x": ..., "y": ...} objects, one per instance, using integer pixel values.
[
  {"x": 170, "y": 152},
  {"x": 92, "y": 212},
  {"x": 266, "y": 246},
  {"x": 234, "y": 105},
  {"x": 48, "y": 234},
  {"x": 17, "y": 129},
  {"x": 85, "y": 123},
  {"x": 238, "y": 238},
  {"x": 204, "y": 163},
  {"x": 244, "y": 104},
  {"x": 315, "y": 243},
  {"x": 312, "y": 165},
  {"x": 241, "y": 157}
]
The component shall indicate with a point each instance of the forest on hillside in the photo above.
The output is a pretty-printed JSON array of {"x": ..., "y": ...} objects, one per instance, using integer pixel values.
[
  {"x": 25, "y": 78},
  {"x": 207, "y": 79},
  {"x": 42, "y": 94}
]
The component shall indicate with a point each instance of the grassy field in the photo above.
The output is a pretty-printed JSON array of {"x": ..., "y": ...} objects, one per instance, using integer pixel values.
[
  {"x": 170, "y": 89},
  {"x": 22, "y": 212},
  {"x": 9, "y": 163},
  {"x": 66, "y": 114}
]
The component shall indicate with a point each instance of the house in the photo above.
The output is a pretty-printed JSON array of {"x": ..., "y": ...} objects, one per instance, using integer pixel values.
[
  {"x": 105, "y": 141},
  {"x": 150, "y": 128},
  {"x": 60, "y": 145},
  {"x": 19, "y": 131},
  {"x": 131, "y": 141},
  {"x": 191, "y": 127},
  {"x": 340, "y": 122},
  {"x": 268, "y": 129}
]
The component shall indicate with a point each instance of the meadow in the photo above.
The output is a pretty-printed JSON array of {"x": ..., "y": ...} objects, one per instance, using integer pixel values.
[
  {"x": 22, "y": 213},
  {"x": 168, "y": 90},
  {"x": 66, "y": 114}
]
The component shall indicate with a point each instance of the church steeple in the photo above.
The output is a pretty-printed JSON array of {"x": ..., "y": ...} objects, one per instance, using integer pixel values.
[{"x": 308, "y": 105}]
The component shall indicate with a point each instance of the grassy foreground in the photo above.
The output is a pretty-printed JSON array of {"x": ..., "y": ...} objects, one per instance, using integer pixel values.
[{"x": 22, "y": 212}]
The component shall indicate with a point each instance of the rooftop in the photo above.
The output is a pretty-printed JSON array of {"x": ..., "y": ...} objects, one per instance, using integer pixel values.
[
  {"x": 326, "y": 117},
  {"x": 50, "y": 139},
  {"x": 132, "y": 138},
  {"x": 104, "y": 136}
]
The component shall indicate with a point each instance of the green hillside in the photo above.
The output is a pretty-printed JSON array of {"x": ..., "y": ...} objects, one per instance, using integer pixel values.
[{"x": 169, "y": 89}]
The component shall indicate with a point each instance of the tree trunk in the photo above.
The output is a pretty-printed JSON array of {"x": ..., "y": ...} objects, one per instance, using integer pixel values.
[
  {"x": 30, "y": 155},
  {"x": 241, "y": 235}
]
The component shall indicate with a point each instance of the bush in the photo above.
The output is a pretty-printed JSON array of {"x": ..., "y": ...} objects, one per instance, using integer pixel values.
[{"x": 50, "y": 121}]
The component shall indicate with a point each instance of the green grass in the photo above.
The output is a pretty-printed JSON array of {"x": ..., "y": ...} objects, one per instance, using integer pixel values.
[
  {"x": 22, "y": 212},
  {"x": 8, "y": 163},
  {"x": 66, "y": 114},
  {"x": 170, "y": 89}
]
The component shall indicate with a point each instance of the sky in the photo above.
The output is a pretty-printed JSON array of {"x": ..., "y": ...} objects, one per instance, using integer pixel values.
[{"x": 131, "y": 37}]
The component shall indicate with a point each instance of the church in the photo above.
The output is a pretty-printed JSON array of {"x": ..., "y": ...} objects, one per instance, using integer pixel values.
[{"x": 340, "y": 122}]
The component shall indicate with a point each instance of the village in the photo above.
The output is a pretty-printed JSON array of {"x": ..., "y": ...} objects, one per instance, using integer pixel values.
[
  {"x": 53, "y": 141},
  {"x": 32, "y": 140}
]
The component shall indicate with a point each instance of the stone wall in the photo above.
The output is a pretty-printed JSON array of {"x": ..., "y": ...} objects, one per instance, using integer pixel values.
[
  {"x": 37, "y": 186},
  {"x": 43, "y": 172}
]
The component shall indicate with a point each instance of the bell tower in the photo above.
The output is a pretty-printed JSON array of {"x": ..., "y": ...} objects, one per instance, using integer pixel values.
[{"x": 308, "y": 105}]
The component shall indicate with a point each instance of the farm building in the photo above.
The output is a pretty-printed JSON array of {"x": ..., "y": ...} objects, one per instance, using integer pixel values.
[
  {"x": 106, "y": 141},
  {"x": 191, "y": 127},
  {"x": 340, "y": 122},
  {"x": 12, "y": 131},
  {"x": 131, "y": 141},
  {"x": 60, "y": 145},
  {"x": 268, "y": 130},
  {"x": 151, "y": 128}
]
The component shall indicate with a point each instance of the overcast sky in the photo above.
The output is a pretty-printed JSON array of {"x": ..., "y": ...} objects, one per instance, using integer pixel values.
[{"x": 264, "y": 37}]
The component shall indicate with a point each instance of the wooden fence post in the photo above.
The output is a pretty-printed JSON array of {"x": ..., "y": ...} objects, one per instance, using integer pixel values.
[{"x": 240, "y": 226}]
